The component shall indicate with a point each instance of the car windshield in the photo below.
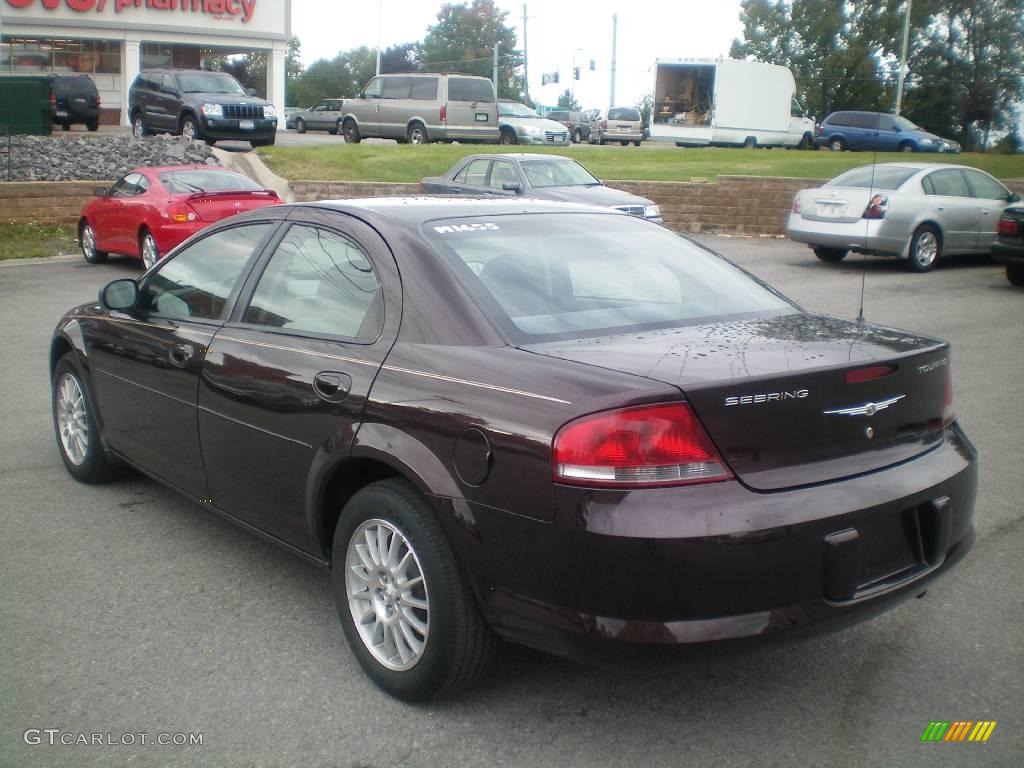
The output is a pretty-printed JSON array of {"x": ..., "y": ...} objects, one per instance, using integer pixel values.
[
  {"x": 906, "y": 125},
  {"x": 874, "y": 177},
  {"x": 557, "y": 173},
  {"x": 623, "y": 113},
  {"x": 184, "y": 182},
  {"x": 515, "y": 109},
  {"x": 559, "y": 276},
  {"x": 210, "y": 82}
]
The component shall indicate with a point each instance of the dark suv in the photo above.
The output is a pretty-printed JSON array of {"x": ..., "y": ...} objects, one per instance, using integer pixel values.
[
  {"x": 199, "y": 105},
  {"x": 576, "y": 122},
  {"x": 74, "y": 99}
]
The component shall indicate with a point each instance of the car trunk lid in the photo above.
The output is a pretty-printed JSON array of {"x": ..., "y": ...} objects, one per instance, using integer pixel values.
[
  {"x": 835, "y": 204},
  {"x": 214, "y": 206},
  {"x": 796, "y": 399}
]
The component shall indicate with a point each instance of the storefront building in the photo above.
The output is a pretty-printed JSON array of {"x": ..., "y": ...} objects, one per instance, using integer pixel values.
[{"x": 112, "y": 40}]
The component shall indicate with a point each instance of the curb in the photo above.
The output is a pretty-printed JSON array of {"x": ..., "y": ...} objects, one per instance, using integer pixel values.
[{"x": 42, "y": 260}]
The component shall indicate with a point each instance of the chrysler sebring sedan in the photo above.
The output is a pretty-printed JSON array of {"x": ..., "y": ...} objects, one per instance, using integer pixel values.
[
  {"x": 921, "y": 212},
  {"x": 555, "y": 424}
]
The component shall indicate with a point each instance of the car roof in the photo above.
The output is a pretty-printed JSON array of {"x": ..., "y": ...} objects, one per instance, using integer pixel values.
[
  {"x": 918, "y": 166},
  {"x": 193, "y": 167},
  {"x": 517, "y": 156}
]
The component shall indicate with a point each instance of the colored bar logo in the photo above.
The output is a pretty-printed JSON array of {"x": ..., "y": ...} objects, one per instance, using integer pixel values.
[{"x": 958, "y": 730}]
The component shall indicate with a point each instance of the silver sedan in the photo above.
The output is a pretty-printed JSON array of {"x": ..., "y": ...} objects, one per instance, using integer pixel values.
[{"x": 917, "y": 211}]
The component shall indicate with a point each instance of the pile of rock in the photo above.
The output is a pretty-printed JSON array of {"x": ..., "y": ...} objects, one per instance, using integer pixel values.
[{"x": 63, "y": 158}]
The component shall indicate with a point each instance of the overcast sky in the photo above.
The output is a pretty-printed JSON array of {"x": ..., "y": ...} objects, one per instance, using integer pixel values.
[{"x": 647, "y": 30}]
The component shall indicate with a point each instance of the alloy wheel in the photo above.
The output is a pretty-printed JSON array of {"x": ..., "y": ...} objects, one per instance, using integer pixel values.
[
  {"x": 188, "y": 130},
  {"x": 926, "y": 248},
  {"x": 88, "y": 241},
  {"x": 150, "y": 253},
  {"x": 72, "y": 420},
  {"x": 387, "y": 594},
  {"x": 138, "y": 129}
]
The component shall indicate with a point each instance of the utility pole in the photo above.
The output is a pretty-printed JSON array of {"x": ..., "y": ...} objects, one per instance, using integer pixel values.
[
  {"x": 615, "y": 32},
  {"x": 380, "y": 29},
  {"x": 495, "y": 68},
  {"x": 903, "y": 58},
  {"x": 526, "y": 58}
]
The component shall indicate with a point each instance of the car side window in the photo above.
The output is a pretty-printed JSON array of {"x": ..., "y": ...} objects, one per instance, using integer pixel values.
[
  {"x": 395, "y": 88},
  {"x": 947, "y": 183},
  {"x": 423, "y": 88},
  {"x": 372, "y": 89},
  {"x": 985, "y": 187},
  {"x": 318, "y": 282},
  {"x": 502, "y": 172},
  {"x": 126, "y": 186},
  {"x": 197, "y": 282},
  {"x": 886, "y": 123},
  {"x": 476, "y": 172},
  {"x": 461, "y": 175}
]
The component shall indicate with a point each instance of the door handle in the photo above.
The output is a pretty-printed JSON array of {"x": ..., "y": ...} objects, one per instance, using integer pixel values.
[
  {"x": 332, "y": 386},
  {"x": 180, "y": 354}
]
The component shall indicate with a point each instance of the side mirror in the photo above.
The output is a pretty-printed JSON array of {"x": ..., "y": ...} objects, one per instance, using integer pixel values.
[
  {"x": 1013, "y": 198},
  {"x": 251, "y": 91},
  {"x": 119, "y": 294},
  {"x": 512, "y": 186},
  {"x": 101, "y": 191}
]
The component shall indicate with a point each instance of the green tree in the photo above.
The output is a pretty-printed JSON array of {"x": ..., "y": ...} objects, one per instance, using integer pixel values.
[
  {"x": 566, "y": 101},
  {"x": 463, "y": 40}
]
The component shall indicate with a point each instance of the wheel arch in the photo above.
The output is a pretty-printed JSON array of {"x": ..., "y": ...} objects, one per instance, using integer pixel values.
[{"x": 913, "y": 231}]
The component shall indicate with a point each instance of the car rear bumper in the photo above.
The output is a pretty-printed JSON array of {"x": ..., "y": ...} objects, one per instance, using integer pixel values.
[
  {"x": 688, "y": 567},
  {"x": 867, "y": 235},
  {"x": 1005, "y": 253},
  {"x": 623, "y": 135},
  {"x": 172, "y": 235}
]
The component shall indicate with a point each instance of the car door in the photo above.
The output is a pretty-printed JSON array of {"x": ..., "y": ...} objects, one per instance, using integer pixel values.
[
  {"x": 366, "y": 108},
  {"x": 474, "y": 181},
  {"x": 165, "y": 102},
  {"x": 147, "y": 363},
  {"x": 991, "y": 198},
  {"x": 108, "y": 214},
  {"x": 472, "y": 109},
  {"x": 133, "y": 213},
  {"x": 954, "y": 208},
  {"x": 394, "y": 112},
  {"x": 315, "y": 117},
  {"x": 285, "y": 382},
  {"x": 503, "y": 172},
  {"x": 887, "y": 138}
]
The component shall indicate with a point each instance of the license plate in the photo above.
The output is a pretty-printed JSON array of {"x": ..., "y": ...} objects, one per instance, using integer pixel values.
[
  {"x": 831, "y": 209},
  {"x": 246, "y": 125},
  {"x": 623, "y": 127},
  {"x": 481, "y": 117},
  {"x": 61, "y": 113}
]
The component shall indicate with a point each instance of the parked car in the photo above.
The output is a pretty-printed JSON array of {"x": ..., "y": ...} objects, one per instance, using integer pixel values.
[
  {"x": 74, "y": 99},
  {"x": 621, "y": 124},
  {"x": 149, "y": 211},
  {"x": 199, "y": 105},
  {"x": 556, "y": 424},
  {"x": 546, "y": 177},
  {"x": 576, "y": 122},
  {"x": 878, "y": 132},
  {"x": 289, "y": 116},
  {"x": 917, "y": 211},
  {"x": 521, "y": 125},
  {"x": 326, "y": 115},
  {"x": 1008, "y": 249},
  {"x": 419, "y": 108}
]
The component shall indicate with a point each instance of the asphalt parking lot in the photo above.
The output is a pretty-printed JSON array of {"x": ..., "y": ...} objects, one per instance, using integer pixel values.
[{"x": 125, "y": 609}]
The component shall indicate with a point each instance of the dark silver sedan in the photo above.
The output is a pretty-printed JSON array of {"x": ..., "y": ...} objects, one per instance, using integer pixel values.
[
  {"x": 917, "y": 211},
  {"x": 546, "y": 177}
]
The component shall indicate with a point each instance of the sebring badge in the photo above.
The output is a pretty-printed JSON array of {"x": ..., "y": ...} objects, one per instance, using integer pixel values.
[{"x": 868, "y": 409}]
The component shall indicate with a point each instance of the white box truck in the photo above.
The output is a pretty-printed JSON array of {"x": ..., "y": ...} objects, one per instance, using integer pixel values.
[{"x": 725, "y": 102}]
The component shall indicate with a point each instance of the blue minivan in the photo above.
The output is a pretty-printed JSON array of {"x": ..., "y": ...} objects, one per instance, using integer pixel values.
[{"x": 878, "y": 132}]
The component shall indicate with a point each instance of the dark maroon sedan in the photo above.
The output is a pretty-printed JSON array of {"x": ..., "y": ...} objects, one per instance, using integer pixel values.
[{"x": 555, "y": 424}]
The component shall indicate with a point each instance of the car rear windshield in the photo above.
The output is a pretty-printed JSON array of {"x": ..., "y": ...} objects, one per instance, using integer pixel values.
[
  {"x": 186, "y": 182},
  {"x": 556, "y": 173},
  {"x": 874, "y": 177},
  {"x": 209, "y": 82},
  {"x": 623, "y": 113},
  {"x": 553, "y": 276},
  {"x": 470, "y": 89}
]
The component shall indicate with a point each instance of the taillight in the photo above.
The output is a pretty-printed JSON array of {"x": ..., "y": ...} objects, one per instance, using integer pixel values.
[
  {"x": 444, "y": 113},
  {"x": 872, "y": 372},
  {"x": 53, "y": 100},
  {"x": 644, "y": 446},
  {"x": 796, "y": 203},
  {"x": 1008, "y": 227},
  {"x": 877, "y": 207},
  {"x": 182, "y": 212},
  {"x": 98, "y": 101},
  {"x": 821, "y": 130}
]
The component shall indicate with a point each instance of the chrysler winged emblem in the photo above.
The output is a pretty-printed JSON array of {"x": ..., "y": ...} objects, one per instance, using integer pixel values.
[{"x": 867, "y": 409}]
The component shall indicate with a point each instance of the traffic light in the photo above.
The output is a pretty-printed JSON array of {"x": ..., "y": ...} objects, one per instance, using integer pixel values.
[{"x": 576, "y": 73}]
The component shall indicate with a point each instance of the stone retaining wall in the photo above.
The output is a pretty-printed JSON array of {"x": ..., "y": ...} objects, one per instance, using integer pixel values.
[{"x": 45, "y": 202}]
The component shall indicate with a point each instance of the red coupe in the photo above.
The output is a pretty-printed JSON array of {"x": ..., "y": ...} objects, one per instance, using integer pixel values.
[{"x": 150, "y": 210}]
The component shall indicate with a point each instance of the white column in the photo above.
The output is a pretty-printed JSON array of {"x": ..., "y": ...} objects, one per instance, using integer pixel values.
[
  {"x": 129, "y": 71},
  {"x": 276, "y": 79}
]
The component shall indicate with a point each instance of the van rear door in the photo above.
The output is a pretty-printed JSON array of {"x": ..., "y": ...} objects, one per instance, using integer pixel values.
[{"x": 472, "y": 109}]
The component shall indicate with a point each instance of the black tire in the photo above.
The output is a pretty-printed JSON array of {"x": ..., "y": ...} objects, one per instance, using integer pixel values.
[
  {"x": 335, "y": 130},
  {"x": 417, "y": 134},
  {"x": 806, "y": 142},
  {"x": 907, "y": 146},
  {"x": 836, "y": 144},
  {"x": 600, "y": 139},
  {"x": 749, "y": 143},
  {"x": 95, "y": 465},
  {"x": 189, "y": 125},
  {"x": 350, "y": 131},
  {"x": 831, "y": 255},
  {"x": 636, "y": 143},
  {"x": 577, "y": 136},
  {"x": 508, "y": 137},
  {"x": 460, "y": 647},
  {"x": 90, "y": 254},
  {"x": 92, "y": 124},
  {"x": 65, "y": 126},
  {"x": 925, "y": 248},
  {"x": 1015, "y": 274},
  {"x": 258, "y": 142},
  {"x": 139, "y": 129},
  {"x": 300, "y": 125}
]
